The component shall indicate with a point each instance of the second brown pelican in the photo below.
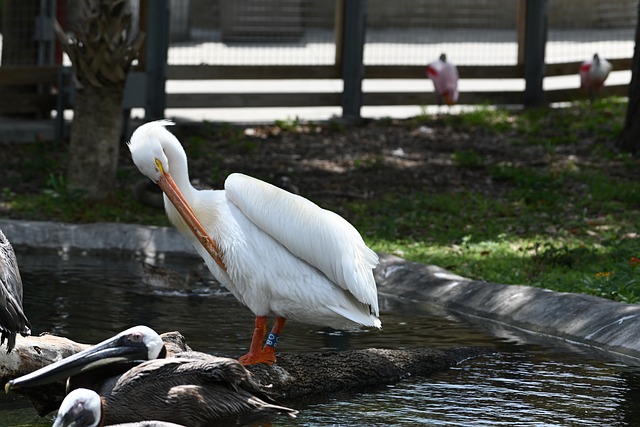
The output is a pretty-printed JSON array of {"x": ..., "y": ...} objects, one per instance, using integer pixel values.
[
  {"x": 12, "y": 318},
  {"x": 136, "y": 381},
  {"x": 83, "y": 408}
]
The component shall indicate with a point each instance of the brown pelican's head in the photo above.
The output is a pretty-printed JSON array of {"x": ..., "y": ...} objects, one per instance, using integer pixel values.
[
  {"x": 81, "y": 408},
  {"x": 136, "y": 344}
]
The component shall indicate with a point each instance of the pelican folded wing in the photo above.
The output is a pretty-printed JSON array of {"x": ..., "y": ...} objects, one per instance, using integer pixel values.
[{"x": 320, "y": 237}]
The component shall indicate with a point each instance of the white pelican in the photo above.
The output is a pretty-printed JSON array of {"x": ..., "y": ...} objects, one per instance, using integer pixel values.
[
  {"x": 136, "y": 381},
  {"x": 278, "y": 253},
  {"x": 12, "y": 317}
]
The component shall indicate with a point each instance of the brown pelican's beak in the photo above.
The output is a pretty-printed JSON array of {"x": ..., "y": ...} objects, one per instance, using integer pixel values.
[
  {"x": 131, "y": 345},
  {"x": 169, "y": 187}
]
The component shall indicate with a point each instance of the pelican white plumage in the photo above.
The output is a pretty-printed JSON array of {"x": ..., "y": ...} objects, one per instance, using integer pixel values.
[
  {"x": 278, "y": 253},
  {"x": 444, "y": 75},
  {"x": 12, "y": 317}
]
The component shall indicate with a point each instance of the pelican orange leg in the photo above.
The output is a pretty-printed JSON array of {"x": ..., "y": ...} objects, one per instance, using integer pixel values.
[{"x": 258, "y": 353}]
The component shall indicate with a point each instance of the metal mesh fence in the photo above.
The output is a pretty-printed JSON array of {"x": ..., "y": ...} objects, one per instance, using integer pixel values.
[
  {"x": 27, "y": 25},
  {"x": 578, "y": 29},
  {"x": 415, "y": 32},
  {"x": 402, "y": 32},
  {"x": 255, "y": 32}
]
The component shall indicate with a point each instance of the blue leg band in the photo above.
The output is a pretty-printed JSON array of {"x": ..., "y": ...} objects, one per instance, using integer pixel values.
[{"x": 272, "y": 340}]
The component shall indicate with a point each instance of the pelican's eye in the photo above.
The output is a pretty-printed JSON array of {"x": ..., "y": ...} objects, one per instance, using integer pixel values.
[
  {"x": 159, "y": 165},
  {"x": 137, "y": 337}
]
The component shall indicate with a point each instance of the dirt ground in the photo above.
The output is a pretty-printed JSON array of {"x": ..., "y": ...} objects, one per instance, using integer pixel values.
[
  {"x": 356, "y": 162},
  {"x": 330, "y": 163},
  {"x": 381, "y": 157}
]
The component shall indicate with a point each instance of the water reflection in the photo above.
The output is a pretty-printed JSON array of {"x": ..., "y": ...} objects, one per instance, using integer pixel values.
[{"x": 90, "y": 298}]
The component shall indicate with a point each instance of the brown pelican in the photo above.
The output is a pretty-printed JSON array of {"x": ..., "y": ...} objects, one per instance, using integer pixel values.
[
  {"x": 136, "y": 381},
  {"x": 12, "y": 317},
  {"x": 83, "y": 408}
]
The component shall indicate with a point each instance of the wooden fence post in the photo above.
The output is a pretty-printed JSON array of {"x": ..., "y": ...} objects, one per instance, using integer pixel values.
[
  {"x": 535, "y": 38},
  {"x": 155, "y": 57},
  {"x": 355, "y": 13},
  {"x": 520, "y": 26},
  {"x": 338, "y": 23}
]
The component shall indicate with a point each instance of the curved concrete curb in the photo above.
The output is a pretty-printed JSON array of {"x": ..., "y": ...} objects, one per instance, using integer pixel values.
[
  {"x": 599, "y": 323},
  {"x": 137, "y": 239},
  {"x": 602, "y": 324}
]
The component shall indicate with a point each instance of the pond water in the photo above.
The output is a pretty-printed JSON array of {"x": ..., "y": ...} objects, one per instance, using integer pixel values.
[{"x": 89, "y": 298}]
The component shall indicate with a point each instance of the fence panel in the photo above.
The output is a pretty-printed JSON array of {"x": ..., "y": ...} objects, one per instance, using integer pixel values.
[
  {"x": 258, "y": 32},
  {"x": 233, "y": 43},
  {"x": 416, "y": 32},
  {"x": 578, "y": 29}
]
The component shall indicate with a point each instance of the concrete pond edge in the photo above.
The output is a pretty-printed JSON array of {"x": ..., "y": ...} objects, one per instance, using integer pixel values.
[{"x": 599, "y": 324}]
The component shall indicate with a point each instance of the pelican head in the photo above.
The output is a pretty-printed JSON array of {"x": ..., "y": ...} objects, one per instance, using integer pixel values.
[
  {"x": 147, "y": 151},
  {"x": 80, "y": 408},
  {"x": 135, "y": 344},
  {"x": 155, "y": 150}
]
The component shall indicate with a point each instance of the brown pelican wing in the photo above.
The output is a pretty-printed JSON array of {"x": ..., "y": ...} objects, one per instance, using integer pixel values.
[
  {"x": 191, "y": 389},
  {"x": 12, "y": 317}
]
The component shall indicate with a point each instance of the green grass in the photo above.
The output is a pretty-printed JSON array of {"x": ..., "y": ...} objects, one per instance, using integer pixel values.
[
  {"x": 68, "y": 208},
  {"x": 569, "y": 230},
  {"x": 54, "y": 202},
  {"x": 572, "y": 227},
  {"x": 289, "y": 124}
]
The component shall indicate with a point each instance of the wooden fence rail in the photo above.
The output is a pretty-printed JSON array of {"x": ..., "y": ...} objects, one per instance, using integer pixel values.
[
  {"x": 328, "y": 99},
  {"x": 17, "y": 100}
]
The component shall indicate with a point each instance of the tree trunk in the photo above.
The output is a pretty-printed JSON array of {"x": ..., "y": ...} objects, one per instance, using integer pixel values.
[
  {"x": 295, "y": 376},
  {"x": 101, "y": 49},
  {"x": 316, "y": 375},
  {"x": 95, "y": 142},
  {"x": 629, "y": 139}
]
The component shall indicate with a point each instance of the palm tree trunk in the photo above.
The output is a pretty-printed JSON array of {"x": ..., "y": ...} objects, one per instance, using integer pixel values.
[
  {"x": 101, "y": 50},
  {"x": 95, "y": 142}
]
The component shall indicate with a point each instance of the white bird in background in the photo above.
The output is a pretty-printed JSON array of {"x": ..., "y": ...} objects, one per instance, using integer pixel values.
[
  {"x": 12, "y": 317},
  {"x": 593, "y": 73},
  {"x": 278, "y": 253},
  {"x": 444, "y": 75}
]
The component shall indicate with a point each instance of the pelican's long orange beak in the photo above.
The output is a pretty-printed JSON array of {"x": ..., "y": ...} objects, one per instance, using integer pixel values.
[{"x": 169, "y": 187}]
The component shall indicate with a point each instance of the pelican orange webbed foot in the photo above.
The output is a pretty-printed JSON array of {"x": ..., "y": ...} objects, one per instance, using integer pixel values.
[
  {"x": 267, "y": 353},
  {"x": 278, "y": 253}
]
